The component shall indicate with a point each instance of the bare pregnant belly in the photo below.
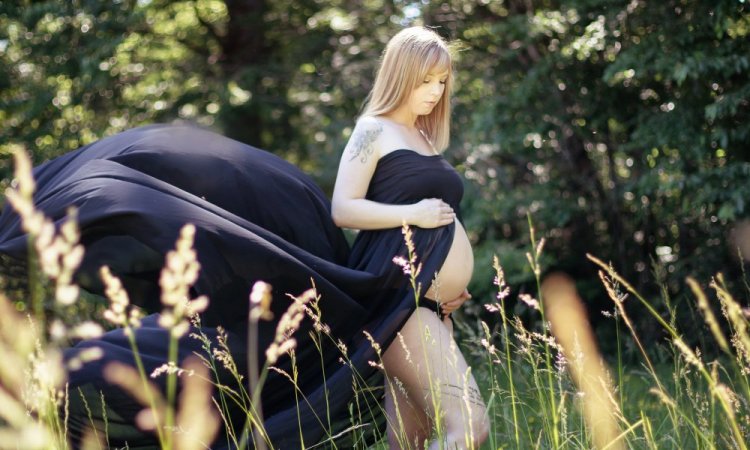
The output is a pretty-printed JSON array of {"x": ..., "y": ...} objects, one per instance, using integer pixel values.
[{"x": 455, "y": 273}]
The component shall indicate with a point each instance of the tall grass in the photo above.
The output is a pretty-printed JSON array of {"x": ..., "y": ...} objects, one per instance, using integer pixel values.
[{"x": 540, "y": 372}]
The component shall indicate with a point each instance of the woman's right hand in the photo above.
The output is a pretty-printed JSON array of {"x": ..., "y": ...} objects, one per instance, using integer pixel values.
[{"x": 432, "y": 213}]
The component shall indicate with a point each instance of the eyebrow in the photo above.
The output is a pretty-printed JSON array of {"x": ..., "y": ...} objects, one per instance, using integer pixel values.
[{"x": 439, "y": 75}]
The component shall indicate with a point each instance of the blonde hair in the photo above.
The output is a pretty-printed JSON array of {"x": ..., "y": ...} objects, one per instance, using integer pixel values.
[{"x": 408, "y": 57}]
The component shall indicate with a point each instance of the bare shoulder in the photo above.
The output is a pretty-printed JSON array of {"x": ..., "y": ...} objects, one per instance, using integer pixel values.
[{"x": 363, "y": 144}]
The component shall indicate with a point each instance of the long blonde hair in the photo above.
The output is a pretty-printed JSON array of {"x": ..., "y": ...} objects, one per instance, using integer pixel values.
[{"x": 409, "y": 56}]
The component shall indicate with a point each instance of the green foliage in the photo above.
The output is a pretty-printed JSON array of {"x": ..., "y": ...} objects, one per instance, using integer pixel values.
[{"x": 621, "y": 127}]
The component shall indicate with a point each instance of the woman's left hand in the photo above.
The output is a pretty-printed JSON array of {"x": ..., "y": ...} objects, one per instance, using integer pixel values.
[{"x": 453, "y": 305}]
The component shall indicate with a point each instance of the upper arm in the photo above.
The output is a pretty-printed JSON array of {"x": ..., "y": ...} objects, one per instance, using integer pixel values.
[{"x": 358, "y": 160}]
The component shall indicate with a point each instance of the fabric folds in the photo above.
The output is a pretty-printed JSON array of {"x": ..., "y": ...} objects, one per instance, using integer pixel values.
[{"x": 257, "y": 217}]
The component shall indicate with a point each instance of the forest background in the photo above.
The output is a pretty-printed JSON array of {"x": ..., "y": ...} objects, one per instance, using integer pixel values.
[{"x": 620, "y": 127}]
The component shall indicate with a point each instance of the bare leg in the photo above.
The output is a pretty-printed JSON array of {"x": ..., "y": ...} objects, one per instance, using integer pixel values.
[
  {"x": 408, "y": 425},
  {"x": 437, "y": 380}
]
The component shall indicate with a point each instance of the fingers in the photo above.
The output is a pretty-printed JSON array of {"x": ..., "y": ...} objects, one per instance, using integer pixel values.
[
  {"x": 449, "y": 307},
  {"x": 446, "y": 310},
  {"x": 442, "y": 206},
  {"x": 446, "y": 220},
  {"x": 447, "y": 215},
  {"x": 452, "y": 305},
  {"x": 456, "y": 302},
  {"x": 436, "y": 213}
]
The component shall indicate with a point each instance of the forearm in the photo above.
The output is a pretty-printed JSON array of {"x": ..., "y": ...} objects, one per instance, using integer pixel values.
[{"x": 362, "y": 214}]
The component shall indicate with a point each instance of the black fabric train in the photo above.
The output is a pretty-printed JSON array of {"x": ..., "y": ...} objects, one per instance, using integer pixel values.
[{"x": 257, "y": 218}]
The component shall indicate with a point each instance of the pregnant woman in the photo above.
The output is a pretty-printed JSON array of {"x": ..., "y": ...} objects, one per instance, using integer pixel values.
[
  {"x": 257, "y": 217},
  {"x": 392, "y": 173}
]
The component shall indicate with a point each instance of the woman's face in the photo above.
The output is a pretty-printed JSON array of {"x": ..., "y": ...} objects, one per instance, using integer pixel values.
[{"x": 427, "y": 94}]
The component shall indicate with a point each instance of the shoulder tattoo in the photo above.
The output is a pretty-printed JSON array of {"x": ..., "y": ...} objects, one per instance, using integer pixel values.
[{"x": 362, "y": 147}]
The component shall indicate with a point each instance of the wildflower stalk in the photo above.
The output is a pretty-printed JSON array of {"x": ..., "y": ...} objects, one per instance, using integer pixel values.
[
  {"x": 252, "y": 374},
  {"x": 648, "y": 432},
  {"x": 171, "y": 394},
  {"x": 620, "y": 373},
  {"x": 52, "y": 255},
  {"x": 295, "y": 373},
  {"x": 738, "y": 323},
  {"x": 36, "y": 291},
  {"x": 321, "y": 329},
  {"x": 632, "y": 290},
  {"x": 534, "y": 262},
  {"x": 495, "y": 386},
  {"x": 502, "y": 293},
  {"x": 283, "y": 343},
  {"x": 317, "y": 337},
  {"x": 146, "y": 387},
  {"x": 713, "y": 325},
  {"x": 117, "y": 314},
  {"x": 618, "y": 299},
  {"x": 716, "y": 389},
  {"x": 683, "y": 417},
  {"x": 179, "y": 273},
  {"x": 254, "y": 420},
  {"x": 21, "y": 197},
  {"x": 225, "y": 394},
  {"x": 260, "y": 300},
  {"x": 255, "y": 405},
  {"x": 737, "y": 319}
]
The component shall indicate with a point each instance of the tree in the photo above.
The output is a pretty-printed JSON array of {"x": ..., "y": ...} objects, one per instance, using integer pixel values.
[{"x": 621, "y": 128}]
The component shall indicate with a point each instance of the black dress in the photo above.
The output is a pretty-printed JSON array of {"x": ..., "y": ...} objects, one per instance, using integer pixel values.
[{"x": 257, "y": 218}]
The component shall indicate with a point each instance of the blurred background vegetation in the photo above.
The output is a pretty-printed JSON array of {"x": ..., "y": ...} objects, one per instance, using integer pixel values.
[{"x": 621, "y": 127}]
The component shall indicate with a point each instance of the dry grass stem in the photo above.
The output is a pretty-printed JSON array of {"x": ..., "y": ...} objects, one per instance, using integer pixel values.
[
  {"x": 708, "y": 314},
  {"x": 571, "y": 328},
  {"x": 290, "y": 321}
]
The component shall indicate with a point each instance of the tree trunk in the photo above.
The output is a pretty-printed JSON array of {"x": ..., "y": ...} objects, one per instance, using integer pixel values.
[{"x": 244, "y": 43}]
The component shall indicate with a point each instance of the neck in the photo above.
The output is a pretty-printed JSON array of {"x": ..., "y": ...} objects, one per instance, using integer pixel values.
[{"x": 404, "y": 118}]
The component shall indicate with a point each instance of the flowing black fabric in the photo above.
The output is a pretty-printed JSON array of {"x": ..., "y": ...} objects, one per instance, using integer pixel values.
[{"x": 257, "y": 218}]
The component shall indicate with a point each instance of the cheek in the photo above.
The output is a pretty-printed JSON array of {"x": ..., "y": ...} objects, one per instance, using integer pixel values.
[
  {"x": 422, "y": 90},
  {"x": 416, "y": 95}
]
